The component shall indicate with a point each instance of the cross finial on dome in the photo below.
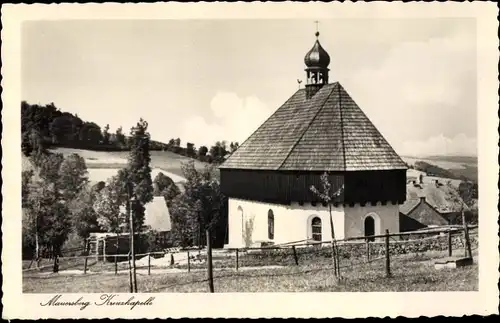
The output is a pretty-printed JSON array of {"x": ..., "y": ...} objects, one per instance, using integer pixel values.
[{"x": 317, "y": 28}]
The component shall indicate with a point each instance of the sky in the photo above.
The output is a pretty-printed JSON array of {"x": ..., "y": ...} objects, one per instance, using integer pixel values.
[{"x": 209, "y": 80}]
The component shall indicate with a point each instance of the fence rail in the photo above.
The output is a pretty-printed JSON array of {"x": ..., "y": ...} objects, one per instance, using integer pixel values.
[{"x": 285, "y": 254}]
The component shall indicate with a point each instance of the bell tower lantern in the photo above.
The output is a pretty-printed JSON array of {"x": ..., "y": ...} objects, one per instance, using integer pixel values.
[{"x": 317, "y": 61}]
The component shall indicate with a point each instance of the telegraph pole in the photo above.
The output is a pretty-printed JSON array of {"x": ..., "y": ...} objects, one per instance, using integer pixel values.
[{"x": 132, "y": 249}]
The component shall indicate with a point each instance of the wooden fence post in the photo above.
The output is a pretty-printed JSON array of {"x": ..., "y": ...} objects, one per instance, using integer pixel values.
[
  {"x": 96, "y": 249},
  {"x": 149, "y": 263},
  {"x": 209, "y": 261},
  {"x": 131, "y": 283},
  {"x": 467, "y": 241},
  {"x": 295, "y": 256},
  {"x": 55, "y": 269},
  {"x": 171, "y": 259},
  {"x": 189, "y": 262},
  {"x": 387, "y": 255},
  {"x": 104, "y": 250},
  {"x": 450, "y": 247},
  {"x": 116, "y": 264},
  {"x": 237, "y": 259},
  {"x": 85, "y": 264}
]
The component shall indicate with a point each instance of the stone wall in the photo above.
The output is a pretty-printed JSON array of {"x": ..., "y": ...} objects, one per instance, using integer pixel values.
[{"x": 355, "y": 250}]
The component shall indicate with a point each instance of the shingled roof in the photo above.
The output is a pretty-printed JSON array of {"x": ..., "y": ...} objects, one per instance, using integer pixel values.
[{"x": 327, "y": 132}]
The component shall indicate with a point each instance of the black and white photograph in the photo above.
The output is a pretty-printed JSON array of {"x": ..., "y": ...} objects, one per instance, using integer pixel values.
[{"x": 308, "y": 154}]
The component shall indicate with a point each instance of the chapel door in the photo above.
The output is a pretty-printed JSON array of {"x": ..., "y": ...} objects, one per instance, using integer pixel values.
[{"x": 369, "y": 228}]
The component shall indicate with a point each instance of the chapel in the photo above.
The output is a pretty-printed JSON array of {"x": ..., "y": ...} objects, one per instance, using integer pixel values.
[{"x": 318, "y": 129}]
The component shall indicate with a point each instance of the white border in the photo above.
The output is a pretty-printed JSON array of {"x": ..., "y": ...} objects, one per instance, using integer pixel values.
[{"x": 17, "y": 305}]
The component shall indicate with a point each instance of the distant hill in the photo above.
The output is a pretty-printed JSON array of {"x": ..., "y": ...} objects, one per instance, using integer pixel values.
[
  {"x": 470, "y": 160},
  {"x": 165, "y": 160},
  {"x": 102, "y": 165},
  {"x": 46, "y": 126},
  {"x": 453, "y": 167}
]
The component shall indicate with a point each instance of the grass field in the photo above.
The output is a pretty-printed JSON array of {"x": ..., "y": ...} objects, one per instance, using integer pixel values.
[
  {"x": 165, "y": 160},
  {"x": 443, "y": 161},
  {"x": 102, "y": 165},
  {"x": 409, "y": 273}
]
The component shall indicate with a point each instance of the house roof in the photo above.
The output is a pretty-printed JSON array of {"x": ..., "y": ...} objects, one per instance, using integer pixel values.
[
  {"x": 156, "y": 214},
  {"x": 408, "y": 205},
  {"x": 327, "y": 132},
  {"x": 443, "y": 198}
]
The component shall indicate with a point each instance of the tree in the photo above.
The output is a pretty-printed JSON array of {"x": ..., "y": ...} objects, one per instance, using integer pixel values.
[
  {"x": 73, "y": 176},
  {"x": 120, "y": 137},
  {"x": 32, "y": 142},
  {"x": 108, "y": 205},
  {"x": 84, "y": 217},
  {"x": 466, "y": 198},
  {"x": 218, "y": 151},
  {"x": 48, "y": 199},
  {"x": 234, "y": 146},
  {"x": 105, "y": 135},
  {"x": 91, "y": 134},
  {"x": 49, "y": 216},
  {"x": 177, "y": 142},
  {"x": 61, "y": 129},
  {"x": 26, "y": 178},
  {"x": 29, "y": 243},
  {"x": 48, "y": 166},
  {"x": 183, "y": 215},
  {"x": 161, "y": 182},
  {"x": 197, "y": 210},
  {"x": 28, "y": 233},
  {"x": 202, "y": 151},
  {"x": 139, "y": 171},
  {"x": 98, "y": 186},
  {"x": 170, "y": 193},
  {"x": 190, "y": 150},
  {"x": 327, "y": 197}
]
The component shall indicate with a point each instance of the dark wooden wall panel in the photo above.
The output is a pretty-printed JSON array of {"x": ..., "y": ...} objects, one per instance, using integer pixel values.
[{"x": 284, "y": 187}]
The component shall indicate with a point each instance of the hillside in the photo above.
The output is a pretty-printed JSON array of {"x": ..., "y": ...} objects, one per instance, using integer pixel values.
[
  {"x": 468, "y": 160},
  {"x": 51, "y": 127},
  {"x": 453, "y": 167},
  {"x": 102, "y": 165},
  {"x": 446, "y": 162}
]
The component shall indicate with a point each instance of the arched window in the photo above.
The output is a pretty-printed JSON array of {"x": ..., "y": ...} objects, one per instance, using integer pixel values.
[
  {"x": 270, "y": 224},
  {"x": 316, "y": 229},
  {"x": 369, "y": 227}
]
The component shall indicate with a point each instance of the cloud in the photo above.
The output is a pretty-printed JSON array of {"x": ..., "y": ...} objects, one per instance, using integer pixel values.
[
  {"x": 235, "y": 119},
  {"x": 421, "y": 89},
  {"x": 441, "y": 145}
]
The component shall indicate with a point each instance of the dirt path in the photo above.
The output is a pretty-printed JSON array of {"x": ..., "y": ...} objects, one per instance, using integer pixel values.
[{"x": 142, "y": 271}]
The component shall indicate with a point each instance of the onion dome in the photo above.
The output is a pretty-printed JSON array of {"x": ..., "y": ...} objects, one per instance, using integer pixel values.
[{"x": 317, "y": 56}]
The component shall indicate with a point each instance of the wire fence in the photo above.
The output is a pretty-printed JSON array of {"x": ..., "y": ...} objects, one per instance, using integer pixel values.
[{"x": 297, "y": 257}]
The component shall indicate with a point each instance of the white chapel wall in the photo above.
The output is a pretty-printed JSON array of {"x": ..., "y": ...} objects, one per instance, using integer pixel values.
[
  {"x": 385, "y": 216},
  {"x": 291, "y": 222}
]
